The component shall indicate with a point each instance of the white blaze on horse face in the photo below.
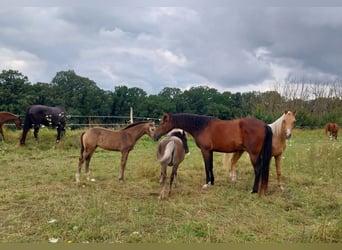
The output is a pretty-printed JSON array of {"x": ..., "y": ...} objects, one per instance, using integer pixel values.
[{"x": 288, "y": 133}]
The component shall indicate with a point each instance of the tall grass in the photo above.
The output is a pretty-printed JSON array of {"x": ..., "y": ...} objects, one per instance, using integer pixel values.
[{"x": 40, "y": 200}]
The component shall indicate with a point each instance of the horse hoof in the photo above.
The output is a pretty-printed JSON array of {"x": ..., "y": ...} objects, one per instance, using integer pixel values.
[{"x": 206, "y": 186}]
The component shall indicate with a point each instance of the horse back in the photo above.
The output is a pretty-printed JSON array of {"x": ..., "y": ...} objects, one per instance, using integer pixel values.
[{"x": 233, "y": 135}]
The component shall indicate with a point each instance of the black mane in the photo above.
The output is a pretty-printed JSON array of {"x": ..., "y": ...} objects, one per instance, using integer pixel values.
[{"x": 191, "y": 122}]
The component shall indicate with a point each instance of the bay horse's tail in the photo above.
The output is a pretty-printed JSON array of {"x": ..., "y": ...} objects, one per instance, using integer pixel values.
[{"x": 265, "y": 158}]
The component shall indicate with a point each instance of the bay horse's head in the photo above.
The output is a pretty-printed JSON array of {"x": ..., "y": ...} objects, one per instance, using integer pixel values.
[
  {"x": 165, "y": 126},
  {"x": 289, "y": 122}
]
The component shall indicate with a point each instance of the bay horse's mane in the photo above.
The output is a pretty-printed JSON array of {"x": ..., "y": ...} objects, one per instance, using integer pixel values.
[
  {"x": 191, "y": 121},
  {"x": 135, "y": 124}
]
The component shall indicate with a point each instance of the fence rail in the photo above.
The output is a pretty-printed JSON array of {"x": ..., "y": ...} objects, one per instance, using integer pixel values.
[{"x": 79, "y": 121}]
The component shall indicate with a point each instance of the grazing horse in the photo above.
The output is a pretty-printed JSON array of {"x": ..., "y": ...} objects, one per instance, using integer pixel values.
[
  {"x": 121, "y": 140},
  {"x": 37, "y": 115},
  {"x": 213, "y": 134},
  {"x": 332, "y": 129},
  {"x": 171, "y": 152},
  {"x": 282, "y": 130},
  {"x": 8, "y": 117}
]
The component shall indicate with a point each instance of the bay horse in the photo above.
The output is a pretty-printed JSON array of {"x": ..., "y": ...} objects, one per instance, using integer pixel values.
[
  {"x": 37, "y": 115},
  {"x": 282, "y": 130},
  {"x": 171, "y": 152},
  {"x": 115, "y": 140},
  {"x": 332, "y": 129},
  {"x": 8, "y": 117},
  {"x": 212, "y": 134}
]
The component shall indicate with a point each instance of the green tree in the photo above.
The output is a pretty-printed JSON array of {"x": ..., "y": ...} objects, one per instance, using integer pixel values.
[{"x": 15, "y": 92}]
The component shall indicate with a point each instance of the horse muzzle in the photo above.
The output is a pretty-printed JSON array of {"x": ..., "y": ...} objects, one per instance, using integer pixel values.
[{"x": 156, "y": 137}]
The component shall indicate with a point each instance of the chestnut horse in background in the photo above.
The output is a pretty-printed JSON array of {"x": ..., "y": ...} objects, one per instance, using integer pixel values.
[
  {"x": 8, "y": 117},
  {"x": 215, "y": 135},
  {"x": 332, "y": 129},
  {"x": 115, "y": 140},
  {"x": 282, "y": 130},
  {"x": 171, "y": 152}
]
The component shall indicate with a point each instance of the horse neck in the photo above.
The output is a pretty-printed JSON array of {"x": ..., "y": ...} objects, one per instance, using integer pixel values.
[
  {"x": 191, "y": 124},
  {"x": 136, "y": 132},
  {"x": 278, "y": 128},
  {"x": 8, "y": 117}
]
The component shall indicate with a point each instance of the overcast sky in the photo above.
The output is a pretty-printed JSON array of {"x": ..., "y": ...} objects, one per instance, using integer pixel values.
[{"x": 228, "y": 47}]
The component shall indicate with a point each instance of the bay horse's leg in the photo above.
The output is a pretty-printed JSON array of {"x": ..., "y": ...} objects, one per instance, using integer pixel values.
[
  {"x": 278, "y": 170},
  {"x": 256, "y": 179},
  {"x": 208, "y": 164},
  {"x": 124, "y": 156},
  {"x": 233, "y": 161},
  {"x": 162, "y": 181}
]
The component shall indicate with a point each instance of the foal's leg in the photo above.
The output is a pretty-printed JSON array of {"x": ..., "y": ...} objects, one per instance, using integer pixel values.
[
  {"x": 172, "y": 177},
  {"x": 233, "y": 161},
  {"x": 124, "y": 156},
  {"x": 163, "y": 181},
  {"x": 85, "y": 156},
  {"x": 278, "y": 170}
]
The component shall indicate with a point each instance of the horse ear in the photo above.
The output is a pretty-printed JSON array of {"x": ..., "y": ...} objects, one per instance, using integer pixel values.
[
  {"x": 294, "y": 112},
  {"x": 166, "y": 117},
  {"x": 286, "y": 111}
]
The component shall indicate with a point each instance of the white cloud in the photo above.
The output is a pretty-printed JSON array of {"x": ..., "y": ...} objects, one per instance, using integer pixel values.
[{"x": 228, "y": 47}]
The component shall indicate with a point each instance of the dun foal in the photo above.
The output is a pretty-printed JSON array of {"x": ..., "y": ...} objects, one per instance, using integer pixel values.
[
  {"x": 122, "y": 140},
  {"x": 171, "y": 152}
]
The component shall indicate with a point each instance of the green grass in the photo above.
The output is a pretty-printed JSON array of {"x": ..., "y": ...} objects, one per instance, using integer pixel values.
[{"x": 40, "y": 199}]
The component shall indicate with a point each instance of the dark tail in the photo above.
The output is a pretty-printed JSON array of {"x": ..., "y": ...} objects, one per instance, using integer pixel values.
[
  {"x": 82, "y": 145},
  {"x": 265, "y": 159}
]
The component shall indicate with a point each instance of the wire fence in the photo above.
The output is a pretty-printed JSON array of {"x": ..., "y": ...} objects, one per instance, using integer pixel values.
[{"x": 80, "y": 121}]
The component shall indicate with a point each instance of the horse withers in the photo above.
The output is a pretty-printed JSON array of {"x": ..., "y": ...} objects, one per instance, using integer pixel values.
[
  {"x": 115, "y": 140},
  {"x": 215, "y": 135},
  {"x": 282, "y": 130},
  {"x": 8, "y": 117},
  {"x": 171, "y": 152},
  {"x": 37, "y": 115},
  {"x": 332, "y": 128}
]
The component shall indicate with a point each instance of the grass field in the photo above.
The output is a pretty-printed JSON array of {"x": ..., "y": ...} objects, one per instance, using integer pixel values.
[{"x": 41, "y": 202}]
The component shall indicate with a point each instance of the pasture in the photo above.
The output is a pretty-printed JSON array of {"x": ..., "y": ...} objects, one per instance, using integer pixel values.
[{"x": 41, "y": 202}]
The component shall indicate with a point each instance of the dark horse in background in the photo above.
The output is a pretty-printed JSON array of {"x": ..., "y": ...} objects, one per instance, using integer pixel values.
[
  {"x": 171, "y": 152},
  {"x": 332, "y": 129},
  {"x": 37, "y": 115},
  {"x": 213, "y": 134},
  {"x": 8, "y": 117}
]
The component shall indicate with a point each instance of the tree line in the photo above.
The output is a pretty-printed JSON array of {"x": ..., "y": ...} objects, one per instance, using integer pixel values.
[{"x": 315, "y": 103}]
